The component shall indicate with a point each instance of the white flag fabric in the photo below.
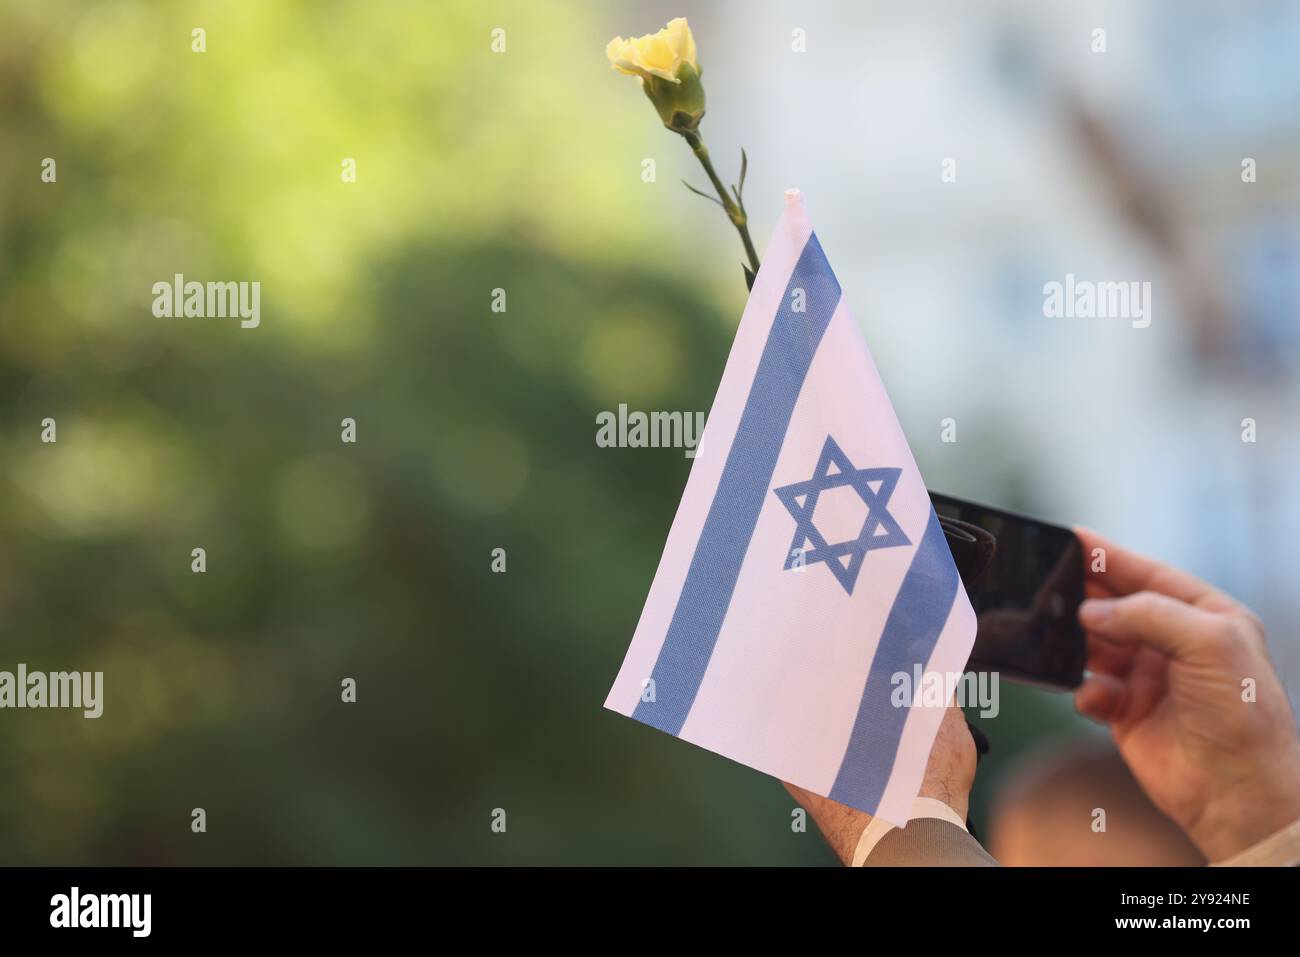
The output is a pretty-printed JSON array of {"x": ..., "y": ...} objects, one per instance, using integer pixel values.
[{"x": 805, "y": 571}]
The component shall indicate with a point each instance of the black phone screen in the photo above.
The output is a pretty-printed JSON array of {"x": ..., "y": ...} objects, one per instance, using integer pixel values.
[{"x": 1027, "y": 598}]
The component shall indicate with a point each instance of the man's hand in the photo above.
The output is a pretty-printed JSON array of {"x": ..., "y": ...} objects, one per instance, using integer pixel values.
[
  {"x": 1169, "y": 658},
  {"x": 949, "y": 775}
]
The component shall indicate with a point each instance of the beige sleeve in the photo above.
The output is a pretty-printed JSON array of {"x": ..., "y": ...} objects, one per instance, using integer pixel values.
[
  {"x": 1280, "y": 850},
  {"x": 929, "y": 842}
]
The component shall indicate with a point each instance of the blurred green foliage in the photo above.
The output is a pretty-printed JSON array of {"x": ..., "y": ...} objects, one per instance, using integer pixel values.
[{"x": 475, "y": 431}]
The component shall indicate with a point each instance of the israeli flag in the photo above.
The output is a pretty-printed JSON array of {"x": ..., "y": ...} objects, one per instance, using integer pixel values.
[{"x": 805, "y": 569}]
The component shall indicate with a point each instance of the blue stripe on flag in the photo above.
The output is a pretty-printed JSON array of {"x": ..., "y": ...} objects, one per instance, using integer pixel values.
[
  {"x": 742, "y": 489},
  {"x": 920, "y": 611}
]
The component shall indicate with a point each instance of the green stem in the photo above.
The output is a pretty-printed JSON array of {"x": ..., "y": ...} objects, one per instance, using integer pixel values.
[{"x": 735, "y": 212}]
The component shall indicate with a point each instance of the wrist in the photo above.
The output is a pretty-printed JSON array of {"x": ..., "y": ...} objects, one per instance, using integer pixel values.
[
  {"x": 953, "y": 794},
  {"x": 1248, "y": 814}
]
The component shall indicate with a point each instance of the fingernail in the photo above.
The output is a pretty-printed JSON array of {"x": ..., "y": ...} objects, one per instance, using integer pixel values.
[{"x": 1094, "y": 611}]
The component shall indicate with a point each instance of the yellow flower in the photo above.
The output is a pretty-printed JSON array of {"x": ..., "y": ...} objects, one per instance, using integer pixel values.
[
  {"x": 666, "y": 67},
  {"x": 656, "y": 54}
]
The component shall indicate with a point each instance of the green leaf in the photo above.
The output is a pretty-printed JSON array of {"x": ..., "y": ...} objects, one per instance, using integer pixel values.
[
  {"x": 739, "y": 189},
  {"x": 712, "y": 199}
]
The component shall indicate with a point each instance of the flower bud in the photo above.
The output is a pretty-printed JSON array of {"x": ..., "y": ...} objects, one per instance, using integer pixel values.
[{"x": 665, "y": 64}]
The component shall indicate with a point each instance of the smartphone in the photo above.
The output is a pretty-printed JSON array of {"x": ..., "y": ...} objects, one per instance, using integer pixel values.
[{"x": 1027, "y": 597}]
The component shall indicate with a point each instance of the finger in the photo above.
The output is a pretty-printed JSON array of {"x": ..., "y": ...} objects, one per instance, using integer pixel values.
[
  {"x": 1127, "y": 572},
  {"x": 1110, "y": 657},
  {"x": 1100, "y": 698},
  {"x": 1095, "y": 588},
  {"x": 1157, "y": 621}
]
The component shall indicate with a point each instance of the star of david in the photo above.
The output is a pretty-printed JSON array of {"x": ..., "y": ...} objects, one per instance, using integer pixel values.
[{"x": 879, "y": 529}]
